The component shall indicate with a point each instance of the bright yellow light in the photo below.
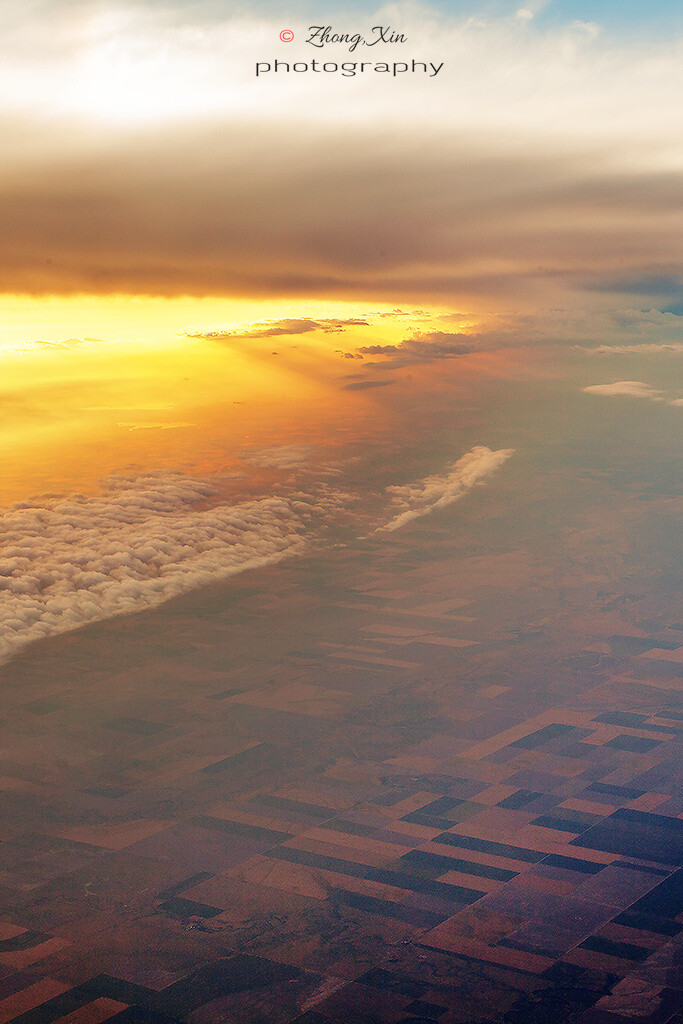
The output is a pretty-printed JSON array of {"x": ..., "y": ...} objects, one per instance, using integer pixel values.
[{"x": 98, "y": 385}]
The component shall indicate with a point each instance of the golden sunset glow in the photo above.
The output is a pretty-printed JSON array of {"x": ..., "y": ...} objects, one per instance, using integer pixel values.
[{"x": 113, "y": 383}]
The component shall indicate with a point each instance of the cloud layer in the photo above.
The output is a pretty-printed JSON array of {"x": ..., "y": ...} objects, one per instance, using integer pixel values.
[
  {"x": 542, "y": 161},
  {"x": 434, "y": 492},
  {"x": 69, "y": 561}
]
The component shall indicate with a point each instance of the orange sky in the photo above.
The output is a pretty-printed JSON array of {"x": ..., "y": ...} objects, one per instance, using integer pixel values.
[{"x": 77, "y": 409}]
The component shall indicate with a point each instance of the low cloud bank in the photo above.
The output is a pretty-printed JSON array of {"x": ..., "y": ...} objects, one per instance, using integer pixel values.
[
  {"x": 434, "y": 492},
  {"x": 70, "y": 561}
]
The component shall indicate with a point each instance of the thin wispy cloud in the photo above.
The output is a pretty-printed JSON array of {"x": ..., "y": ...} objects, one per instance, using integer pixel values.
[
  {"x": 66, "y": 343},
  {"x": 366, "y": 385},
  {"x": 435, "y": 492},
  {"x": 646, "y": 349},
  {"x": 280, "y": 456},
  {"x": 631, "y": 389},
  {"x": 161, "y": 425},
  {"x": 626, "y": 389},
  {"x": 277, "y": 328}
]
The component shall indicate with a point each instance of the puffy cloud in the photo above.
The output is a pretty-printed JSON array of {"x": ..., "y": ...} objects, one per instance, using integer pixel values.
[
  {"x": 649, "y": 331},
  {"x": 630, "y": 388},
  {"x": 68, "y": 561},
  {"x": 423, "y": 347},
  {"x": 434, "y": 492}
]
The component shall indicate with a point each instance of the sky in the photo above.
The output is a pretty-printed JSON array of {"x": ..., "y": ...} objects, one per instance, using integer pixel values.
[{"x": 228, "y": 282}]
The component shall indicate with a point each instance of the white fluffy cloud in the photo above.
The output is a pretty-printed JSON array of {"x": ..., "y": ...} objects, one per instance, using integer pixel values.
[
  {"x": 629, "y": 388},
  {"x": 423, "y": 497},
  {"x": 73, "y": 560}
]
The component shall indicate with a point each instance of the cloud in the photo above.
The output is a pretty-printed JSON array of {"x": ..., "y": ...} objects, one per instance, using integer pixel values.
[
  {"x": 281, "y": 456},
  {"x": 72, "y": 560},
  {"x": 434, "y": 492},
  {"x": 629, "y": 388},
  {"x": 167, "y": 168},
  {"x": 647, "y": 284},
  {"x": 364, "y": 385},
  {"x": 644, "y": 321},
  {"x": 163, "y": 425},
  {"x": 68, "y": 561},
  {"x": 477, "y": 220},
  {"x": 414, "y": 314},
  {"x": 66, "y": 343},
  {"x": 424, "y": 347},
  {"x": 647, "y": 348},
  {"x": 274, "y": 328}
]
